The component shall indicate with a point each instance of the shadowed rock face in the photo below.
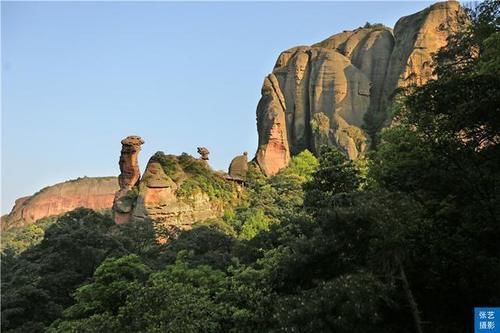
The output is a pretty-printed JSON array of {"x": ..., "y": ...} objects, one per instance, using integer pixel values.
[
  {"x": 89, "y": 192},
  {"x": 337, "y": 91}
]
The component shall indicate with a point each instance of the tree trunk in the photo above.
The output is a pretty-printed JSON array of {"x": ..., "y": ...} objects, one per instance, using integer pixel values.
[{"x": 411, "y": 300}]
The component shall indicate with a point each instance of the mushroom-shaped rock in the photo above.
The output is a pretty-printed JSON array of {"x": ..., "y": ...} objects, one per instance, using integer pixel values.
[
  {"x": 204, "y": 153},
  {"x": 129, "y": 177},
  {"x": 129, "y": 165}
]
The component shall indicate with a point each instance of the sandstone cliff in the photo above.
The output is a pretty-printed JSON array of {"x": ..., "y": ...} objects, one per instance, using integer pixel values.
[
  {"x": 90, "y": 192},
  {"x": 337, "y": 91}
]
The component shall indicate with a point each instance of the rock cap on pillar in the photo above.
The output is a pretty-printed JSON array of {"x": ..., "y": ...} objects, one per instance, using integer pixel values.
[{"x": 204, "y": 152}]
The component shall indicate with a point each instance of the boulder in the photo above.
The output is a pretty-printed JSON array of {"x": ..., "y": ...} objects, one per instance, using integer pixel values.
[{"x": 238, "y": 168}]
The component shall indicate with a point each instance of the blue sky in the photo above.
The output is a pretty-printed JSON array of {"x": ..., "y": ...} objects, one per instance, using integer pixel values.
[{"x": 77, "y": 77}]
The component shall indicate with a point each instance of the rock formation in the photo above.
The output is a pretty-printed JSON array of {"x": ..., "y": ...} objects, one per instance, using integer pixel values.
[
  {"x": 89, "y": 192},
  {"x": 274, "y": 151},
  {"x": 203, "y": 153},
  {"x": 128, "y": 179},
  {"x": 174, "y": 192},
  {"x": 337, "y": 91},
  {"x": 238, "y": 168},
  {"x": 177, "y": 191}
]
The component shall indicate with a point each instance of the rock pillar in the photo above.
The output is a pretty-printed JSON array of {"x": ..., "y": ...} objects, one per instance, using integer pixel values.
[{"x": 129, "y": 177}]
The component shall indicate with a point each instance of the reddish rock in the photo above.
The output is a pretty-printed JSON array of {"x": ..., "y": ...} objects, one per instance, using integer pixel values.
[
  {"x": 273, "y": 153},
  {"x": 96, "y": 193},
  {"x": 128, "y": 179},
  {"x": 129, "y": 165},
  {"x": 158, "y": 197}
]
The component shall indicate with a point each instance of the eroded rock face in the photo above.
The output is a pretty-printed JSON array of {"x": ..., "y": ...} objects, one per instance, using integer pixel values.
[
  {"x": 129, "y": 165},
  {"x": 274, "y": 150},
  {"x": 128, "y": 179},
  {"x": 174, "y": 193},
  {"x": 163, "y": 207},
  {"x": 179, "y": 200},
  {"x": 337, "y": 91},
  {"x": 96, "y": 193},
  {"x": 417, "y": 38}
]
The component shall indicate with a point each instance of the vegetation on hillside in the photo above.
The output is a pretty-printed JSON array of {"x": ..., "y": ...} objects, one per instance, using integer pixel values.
[
  {"x": 194, "y": 175},
  {"x": 18, "y": 239},
  {"x": 405, "y": 241}
]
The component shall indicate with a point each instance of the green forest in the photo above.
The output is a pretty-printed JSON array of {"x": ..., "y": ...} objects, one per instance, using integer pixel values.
[{"x": 406, "y": 239}]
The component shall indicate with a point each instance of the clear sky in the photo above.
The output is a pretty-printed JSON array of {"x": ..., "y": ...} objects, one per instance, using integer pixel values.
[{"x": 77, "y": 77}]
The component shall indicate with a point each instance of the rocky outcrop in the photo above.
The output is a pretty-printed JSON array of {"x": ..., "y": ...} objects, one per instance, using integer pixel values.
[
  {"x": 128, "y": 179},
  {"x": 203, "y": 153},
  {"x": 89, "y": 192},
  {"x": 337, "y": 91},
  {"x": 238, "y": 168},
  {"x": 129, "y": 165},
  {"x": 417, "y": 38},
  {"x": 274, "y": 151},
  {"x": 177, "y": 191}
]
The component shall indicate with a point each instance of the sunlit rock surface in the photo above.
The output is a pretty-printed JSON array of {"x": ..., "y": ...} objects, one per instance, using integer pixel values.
[
  {"x": 338, "y": 91},
  {"x": 90, "y": 192}
]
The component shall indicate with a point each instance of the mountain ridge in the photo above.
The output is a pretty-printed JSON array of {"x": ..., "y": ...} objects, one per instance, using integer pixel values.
[{"x": 89, "y": 192}]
